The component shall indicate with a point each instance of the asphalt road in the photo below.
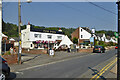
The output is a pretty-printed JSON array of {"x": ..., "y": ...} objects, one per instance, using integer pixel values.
[{"x": 72, "y": 68}]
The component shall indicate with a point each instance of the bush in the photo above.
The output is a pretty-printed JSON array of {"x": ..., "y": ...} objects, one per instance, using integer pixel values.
[
  {"x": 7, "y": 53},
  {"x": 102, "y": 43}
]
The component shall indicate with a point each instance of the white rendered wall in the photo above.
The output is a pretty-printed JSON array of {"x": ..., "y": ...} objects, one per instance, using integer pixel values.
[
  {"x": 44, "y": 36},
  {"x": 86, "y": 35}
]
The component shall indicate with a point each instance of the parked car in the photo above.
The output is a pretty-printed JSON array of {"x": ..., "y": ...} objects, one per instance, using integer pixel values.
[
  {"x": 4, "y": 69},
  {"x": 100, "y": 49}
]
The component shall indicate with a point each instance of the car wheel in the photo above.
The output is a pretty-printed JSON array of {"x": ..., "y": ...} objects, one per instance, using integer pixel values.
[
  {"x": 2, "y": 76},
  {"x": 103, "y": 51}
]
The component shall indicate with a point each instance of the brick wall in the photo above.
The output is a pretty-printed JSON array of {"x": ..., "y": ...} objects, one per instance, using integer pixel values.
[
  {"x": 38, "y": 51},
  {"x": 75, "y": 34},
  {"x": 86, "y": 50}
]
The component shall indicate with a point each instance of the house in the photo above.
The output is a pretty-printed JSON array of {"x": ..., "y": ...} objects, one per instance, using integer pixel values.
[
  {"x": 6, "y": 44},
  {"x": 107, "y": 39},
  {"x": 83, "y": 34},
  {"x": 33, "y": 38},
  {"x": 4, "y": 37}
]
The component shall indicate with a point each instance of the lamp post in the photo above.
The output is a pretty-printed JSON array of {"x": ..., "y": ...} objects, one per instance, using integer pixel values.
[
  {"x": 19, "y": 26},
  {"x": 118, "y": 54}
]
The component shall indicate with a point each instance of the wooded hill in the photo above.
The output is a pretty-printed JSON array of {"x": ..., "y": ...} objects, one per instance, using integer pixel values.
[{"x": 11, "y": 30}]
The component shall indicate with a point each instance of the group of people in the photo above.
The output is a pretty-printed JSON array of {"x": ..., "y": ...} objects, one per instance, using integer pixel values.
[{"x": 13, "y": 50}]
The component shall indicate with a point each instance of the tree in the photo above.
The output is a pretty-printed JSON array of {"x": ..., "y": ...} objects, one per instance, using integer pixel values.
[{"x": 75, "y": 40}]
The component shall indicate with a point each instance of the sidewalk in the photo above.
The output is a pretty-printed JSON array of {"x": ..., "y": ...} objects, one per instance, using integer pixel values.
[
  {"x": 30, "y": 60},
  {"x": 114, "y": 69}
]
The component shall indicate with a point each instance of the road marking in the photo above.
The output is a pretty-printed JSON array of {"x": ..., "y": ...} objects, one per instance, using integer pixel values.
[
  {"x": 103, "y": 68},
  {"x": 19, "y": 73},
  {"x": 52, "y": 62}
]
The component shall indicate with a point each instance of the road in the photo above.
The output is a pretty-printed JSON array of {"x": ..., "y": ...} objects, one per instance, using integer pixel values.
[{"x": 78, "y": 67}]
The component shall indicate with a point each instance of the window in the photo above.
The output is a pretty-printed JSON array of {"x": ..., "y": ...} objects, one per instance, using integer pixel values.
[
  {"x": 39, "y": 35},
  {"x": 59, "y": 37},
  {"x": 81, "y": 30},
  {"x": 31, "y": 45},
  {"x": 81, "y": 36},
  {"x": 49, "y": 36},
  {"x": 36, "y": 35}
]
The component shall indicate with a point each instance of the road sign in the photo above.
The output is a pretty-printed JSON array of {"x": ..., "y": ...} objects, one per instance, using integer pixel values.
[
  {"x": 116, "y": 34},
  {"x": 91, "y": 39}
]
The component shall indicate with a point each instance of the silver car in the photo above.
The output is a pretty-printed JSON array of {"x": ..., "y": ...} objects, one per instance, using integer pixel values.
[{"x": 4, "y": 69}]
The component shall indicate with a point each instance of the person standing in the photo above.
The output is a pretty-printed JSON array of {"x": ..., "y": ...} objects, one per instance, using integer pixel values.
[{"x": 11, "y": 50}]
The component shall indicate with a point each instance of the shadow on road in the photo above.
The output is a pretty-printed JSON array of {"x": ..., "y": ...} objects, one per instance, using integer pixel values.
[
  {"x": 12, "y": 76},
  {"x": 30, "y": 58},
  {"x": 95, "y": 71}
]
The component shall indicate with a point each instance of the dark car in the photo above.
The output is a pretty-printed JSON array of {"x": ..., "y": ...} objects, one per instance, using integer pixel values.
[
  {"x": 4, "y": 69},
  {"x": 100, "y": 49}
]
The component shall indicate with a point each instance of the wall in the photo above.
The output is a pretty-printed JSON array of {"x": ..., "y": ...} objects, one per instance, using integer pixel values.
[
  {"x": 75, "y": 34},
  {"x": 44, "y": 36},
  {"x": 86, "y": 35}
]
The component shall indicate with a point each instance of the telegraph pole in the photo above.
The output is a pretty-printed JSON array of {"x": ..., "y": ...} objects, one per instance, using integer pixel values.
[
  {"x": 19, "y": 27},
  {"x": 0, "y": 27},
  {"x": 118, "y": 55}
]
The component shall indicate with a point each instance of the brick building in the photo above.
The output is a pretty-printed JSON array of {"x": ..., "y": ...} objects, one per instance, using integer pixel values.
[{"x": 83, "y": 34}]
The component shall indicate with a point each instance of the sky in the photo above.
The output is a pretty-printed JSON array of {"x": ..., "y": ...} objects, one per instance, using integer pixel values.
[{"x": 98, "y": 15}]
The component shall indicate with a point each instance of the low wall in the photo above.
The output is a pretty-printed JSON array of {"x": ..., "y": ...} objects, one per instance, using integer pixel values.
[
  {"x": 86, "y": 50},
  {"x": 37, "y": 51},
  {"x": 11, "y": 59}
]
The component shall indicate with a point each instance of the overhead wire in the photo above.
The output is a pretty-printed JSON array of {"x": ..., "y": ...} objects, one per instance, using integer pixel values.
[
  {"x": 76, "y": 9},
  {"x": 102, "y": 8}
]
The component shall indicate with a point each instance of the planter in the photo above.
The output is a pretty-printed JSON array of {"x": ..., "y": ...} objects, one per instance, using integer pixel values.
[{"x": 11, "y": 59}]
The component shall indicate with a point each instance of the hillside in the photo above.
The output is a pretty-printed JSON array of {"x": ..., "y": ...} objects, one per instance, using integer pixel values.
[{"x": 11, "y": 30}]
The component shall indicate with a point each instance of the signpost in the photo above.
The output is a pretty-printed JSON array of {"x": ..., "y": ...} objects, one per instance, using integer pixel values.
[
  {"x": 116, "y": 34},
  {"x": 118, "y": 54},
  {"x": 92, "y": 41}
]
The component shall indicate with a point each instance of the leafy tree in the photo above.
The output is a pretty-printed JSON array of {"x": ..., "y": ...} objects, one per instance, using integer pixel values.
[{"x": 75, "y": 40}]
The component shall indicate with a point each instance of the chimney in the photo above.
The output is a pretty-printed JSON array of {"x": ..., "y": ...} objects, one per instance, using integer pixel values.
[
  {"x": 28, "y": 25},
  {"x": 60, "y": 30}
]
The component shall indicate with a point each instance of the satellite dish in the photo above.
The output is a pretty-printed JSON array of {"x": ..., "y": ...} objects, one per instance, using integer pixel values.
[{"x": 29, "y": 1}]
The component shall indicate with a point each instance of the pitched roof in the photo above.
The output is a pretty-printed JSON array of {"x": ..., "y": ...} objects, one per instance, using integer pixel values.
[
  {"x": 87, "y": 29},
  {"x": 3, "y": 35},
  {"x": 99, "y": 34},
  {"x": 108, "y": 37},
  {"x": 15, "y": 38}
]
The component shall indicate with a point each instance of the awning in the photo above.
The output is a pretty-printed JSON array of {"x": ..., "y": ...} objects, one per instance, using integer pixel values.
[{"x": 66, "y": 41}]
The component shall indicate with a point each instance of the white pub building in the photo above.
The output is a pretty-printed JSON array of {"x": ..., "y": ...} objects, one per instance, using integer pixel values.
[{"x": 32, "y": 38}]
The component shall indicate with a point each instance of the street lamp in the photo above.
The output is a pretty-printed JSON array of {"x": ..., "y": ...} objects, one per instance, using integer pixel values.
[
  {"x": 118, "y": 54},
  {"x": 19, "y": 25}
]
